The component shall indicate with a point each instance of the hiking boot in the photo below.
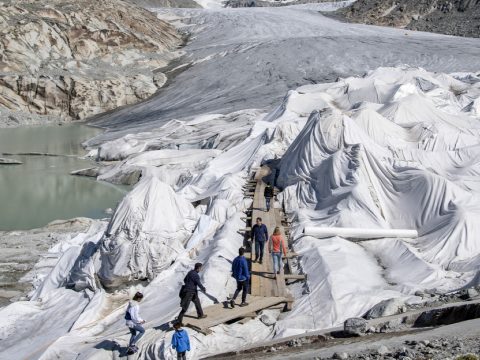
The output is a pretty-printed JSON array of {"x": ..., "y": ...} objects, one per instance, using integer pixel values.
[
  {"x": 260, "y": 261},
  {"x": 131, "y": 351},
  {"x": 202, "y": 316},
  {"x": 232, "y": 303},
  {"x": 278, "y": 272},
  {"x": 244, "y": 304}
]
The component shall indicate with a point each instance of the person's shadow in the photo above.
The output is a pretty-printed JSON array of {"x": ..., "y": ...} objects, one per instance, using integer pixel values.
[
  {"x": 163, "y": 327},
  {"x": 110, "y": 345}
]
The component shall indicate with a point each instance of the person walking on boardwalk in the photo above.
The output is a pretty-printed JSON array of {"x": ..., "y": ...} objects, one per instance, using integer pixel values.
[
  {"x": 180, "y": 341},
  {"x": 259, "y": 235},
  {"x": 242, "y": 275},
  {"x": 189, "y": 293},
  {"x": 134, "y": 322},
  {"x": 276, "y": 247},
  {"x": 268, "y": 194}
]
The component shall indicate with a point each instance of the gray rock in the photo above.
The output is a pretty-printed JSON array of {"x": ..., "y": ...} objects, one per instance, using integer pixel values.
[
  {"x": 471, "y": 293},
  {"x": 386, "y": 308},
  {"x": 382, "y": 350},
  {"x": 355, "y": 326},
  {"x": 89, "y": 172},
  {"x": 424, "y": 342},
  {"x": 341, "y": 356}
]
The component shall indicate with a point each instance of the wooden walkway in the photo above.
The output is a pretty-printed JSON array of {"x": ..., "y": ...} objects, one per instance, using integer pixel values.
[
  {"x": 263, "y": 280},
  {"x": 266, "y": 289},
  {"x": 221, "y": 313}
]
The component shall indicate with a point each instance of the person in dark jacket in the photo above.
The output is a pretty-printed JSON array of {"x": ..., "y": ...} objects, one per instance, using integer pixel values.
[
  {"x": 180, "y": 341},
  {"x": 242, "y": 275},
  {"x": 259, "y": 235},
  {"x": 268, "y": 194},
  {"x": 190, "y": 293}
]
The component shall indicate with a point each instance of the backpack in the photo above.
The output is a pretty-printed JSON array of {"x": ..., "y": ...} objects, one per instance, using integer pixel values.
[{"x": 128, "y": 317}]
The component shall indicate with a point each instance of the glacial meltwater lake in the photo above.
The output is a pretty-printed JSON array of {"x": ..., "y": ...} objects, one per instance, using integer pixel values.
[{"x": 41, "y": 189}]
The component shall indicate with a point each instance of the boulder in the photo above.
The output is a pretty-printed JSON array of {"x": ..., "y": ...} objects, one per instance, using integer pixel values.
[
  {"x": 386, "y": 308},
  {"x": 355, "y": 326}
]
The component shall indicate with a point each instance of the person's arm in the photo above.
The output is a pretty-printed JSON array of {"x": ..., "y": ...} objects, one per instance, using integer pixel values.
[
  {"x": 265, "y": 231},
  {"x": 188, "y": 342},
  {"x": 197, "y": 282},
  {"x": 269, "y": 246},
  {"x": 245, "y": 268},
  {"x": 283, "y": 246},
  {"x": 252, "y": 233},
  {"x": 174, "y": 341}
]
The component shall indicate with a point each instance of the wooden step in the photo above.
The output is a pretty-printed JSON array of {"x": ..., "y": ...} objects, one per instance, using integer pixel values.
[{"x": 220, "y": 313}]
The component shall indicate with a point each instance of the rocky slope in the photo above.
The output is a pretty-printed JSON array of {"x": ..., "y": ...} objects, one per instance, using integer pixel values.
[
  {"x": 67, "y": 60},
  {"x": 452, "y": 17}
]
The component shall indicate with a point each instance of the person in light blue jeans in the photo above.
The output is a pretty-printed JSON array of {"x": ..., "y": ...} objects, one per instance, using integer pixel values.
[
  {"x": 134, "y": 322},
  {"x": 276, "y": 246}
]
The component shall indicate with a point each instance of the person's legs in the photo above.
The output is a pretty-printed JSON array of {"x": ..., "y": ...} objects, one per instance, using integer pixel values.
[
  {"x": 279, "y": 261},
  {"x": 257, "y": 249},
  {"x": 267, "y": 203},
  {"x": 137, "y": 332},
  {"x": 245, "y": 290},
  {"x": 237, "y": 291},
  {"x": 261, "y": 245},
  {"x": 133, "y": 332},
  {"x": 276, "y": 266},
  {"x": 185, "y": 303},
  {"x": 181, "y": 355},
  {"x": 198, "y": 305}
]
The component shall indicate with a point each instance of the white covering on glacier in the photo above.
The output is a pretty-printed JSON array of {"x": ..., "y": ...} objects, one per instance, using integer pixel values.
[{"x": 397, "y": 148}]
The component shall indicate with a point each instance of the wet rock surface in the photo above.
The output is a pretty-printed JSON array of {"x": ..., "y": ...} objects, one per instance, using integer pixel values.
[{"x": 68, "y": 60}]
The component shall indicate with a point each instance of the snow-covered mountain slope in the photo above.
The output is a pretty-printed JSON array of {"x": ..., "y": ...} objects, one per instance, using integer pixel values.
[
  {"x": 249, "y": 58},
  {"x": 397, "y": 148}
]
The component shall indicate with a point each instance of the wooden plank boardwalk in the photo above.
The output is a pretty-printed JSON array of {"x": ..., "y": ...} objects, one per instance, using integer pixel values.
[
  {"x": 263, "y": 280},
  {"x": 266, "y": 288},
  {"x": 221, "y": 313}
]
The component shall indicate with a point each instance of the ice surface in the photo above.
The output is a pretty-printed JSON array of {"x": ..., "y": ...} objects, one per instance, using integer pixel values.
[{"x": 250, "y": 57}]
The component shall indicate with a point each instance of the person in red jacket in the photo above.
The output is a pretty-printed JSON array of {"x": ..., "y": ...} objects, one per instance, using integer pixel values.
[{"x": 276, "y": 246}]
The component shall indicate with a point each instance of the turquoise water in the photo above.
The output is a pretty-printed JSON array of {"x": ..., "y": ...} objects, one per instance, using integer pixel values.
[{"x": 41, "y": 189}]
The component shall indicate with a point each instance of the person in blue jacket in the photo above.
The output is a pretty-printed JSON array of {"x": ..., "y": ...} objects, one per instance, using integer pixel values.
[
  {"x": 242, "y": 275},
  {"x": 259, "y": 236},
  {"x": 180, "y": 341}
]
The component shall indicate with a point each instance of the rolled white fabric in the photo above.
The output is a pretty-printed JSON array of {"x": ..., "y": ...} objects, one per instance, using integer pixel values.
[{"x": 358, "y": 233}]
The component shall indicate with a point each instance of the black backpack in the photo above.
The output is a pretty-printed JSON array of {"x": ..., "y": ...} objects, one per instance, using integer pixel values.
[{"x": 128, "y": 317}]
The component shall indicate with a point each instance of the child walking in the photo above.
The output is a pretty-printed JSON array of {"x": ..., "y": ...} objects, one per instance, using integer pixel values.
[
  {"x": 134, "y": 322},
  {"x": 180, "y": 341}
]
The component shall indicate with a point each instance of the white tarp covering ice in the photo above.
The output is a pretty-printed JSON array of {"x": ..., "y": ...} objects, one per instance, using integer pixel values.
[{"x": 395, "y": 149}]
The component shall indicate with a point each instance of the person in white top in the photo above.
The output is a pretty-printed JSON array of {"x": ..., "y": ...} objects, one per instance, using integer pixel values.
[{"x": 134, "y": 322}]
